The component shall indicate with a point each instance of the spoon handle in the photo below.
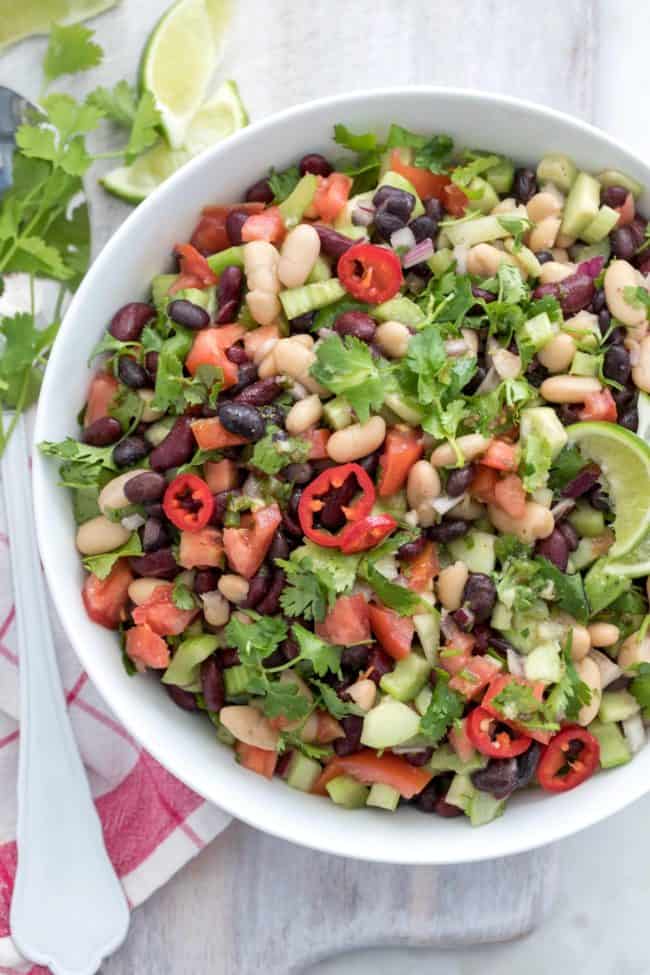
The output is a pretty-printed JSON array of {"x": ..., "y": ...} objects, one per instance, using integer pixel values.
[{"x": 68, "y": 909}]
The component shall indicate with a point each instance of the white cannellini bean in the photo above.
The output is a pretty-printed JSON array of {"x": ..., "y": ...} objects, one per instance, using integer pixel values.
[
  {"x": 633, "y": 651},
  {"x": 589, "y": 672},
  {"x": 507, "y": 364},
  {"x": 484, "y": 260},
  {"x": 299, "y": 253},
  {"x": 293, "y": 358},
  {"x": 619, "y": 276},
  {"x": 468, "y": 509},
  {"x": 542, "y": 205},
  {"x": 363, "y": 693},
  {"x": 580, "y": 641},
  {"x": 471, "y": 446},
  {"x": 543, "y": 236},
  {"x": 112, "y": 495},
  {"x": 557, "y": 355},
  {"x": 233, "y": 587},
  {"x": 149, "y": 415},
  {"x": 471, "y": 340},
  {"x": 609, "y": 670},
  {"x": 99, "y": 535},
  {"x": 569, "y": 389},
  {"x": 552, "y": 271},
  {"x": 141, "y": 589},
  {"x": 393, "y": 339},
  {"x": 560, "y": 255},
  {"x": 505, "y": 206},
  {"x": 268, "y": 367},
  {"x": 304, "y": 339},
  {"x": 260, "y": 255},
  {"x": 536, "y": 522},
  {"x": 303, "y": 414},
  {"x": 264, "y": 306},
  {"x": 450, "y": 585},
  {"x": 603, "y": 634},
  {"x": 641, "y": 371},
  {"x": 249, "y": 725},
  {"x": 423, "y": 484},
  {"x": 356, "y": 440},
  {"x": 216, "y": 608}
]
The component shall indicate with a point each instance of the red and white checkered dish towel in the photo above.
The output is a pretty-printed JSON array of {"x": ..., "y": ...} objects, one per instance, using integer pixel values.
[{"x": 152, "y": 823}]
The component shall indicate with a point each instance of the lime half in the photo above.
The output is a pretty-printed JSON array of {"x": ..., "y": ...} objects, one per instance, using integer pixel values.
[
  {"x": 179, "y": 61},
  {"x": 218, "y": 118},
  {"x": 624, "y": 460},
  {"x": 18, "y": 20}
]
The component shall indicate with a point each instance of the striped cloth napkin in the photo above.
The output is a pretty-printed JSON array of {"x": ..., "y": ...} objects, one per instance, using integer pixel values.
[{"x": 152, "y": 823}]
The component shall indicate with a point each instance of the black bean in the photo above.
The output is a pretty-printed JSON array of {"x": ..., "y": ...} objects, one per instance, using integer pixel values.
[
  {"x": 419, "y": 758},
  {"x": 447, "y": 531},
  {"x": 205, "y": 580},
  {"x": 130, "y": 451},
  {"x": 476, "y": 380},
  {"x": 498, "y": 777},
  {"x": 242, "y": 420},
  {"x": 617, "y": 365},
  {"x": 332, "y": 244},
  {"x": 104, "y": 431},
  {"x": 411, "y": 550},
  {"x": 604, "y": 322},
  {"x": 160, "y": 564},
  {"x": 257, "y": 588},
  {"x": 212, "y": 684},
  {"x": 290, "y": 648},
  {"x": 131, "y": 373},
  {"x": 234, "y": 223},
  {"x": 271, "y": 601},
  {"x": 638, "y": 228},
  {"x": 303, "y": 323},
  {"x": 314, "y": 163},
  {"x": 229, "y": 657},
  {"x": 177, "y": 447},
  {"x": 423, "y": 227},
  {"x": 544, "y": 256},
  {"x": 459, "y": 480},
  {"x": 481, "y": 634},
  {"x": 390, "y": 199},
  {"x": 427, "y": 800},
  {"x": 525, "y": 185},
  {"x": 433, "y": 208},
  {"x": 259, "y": 192},
  {"x": 151, "y": 364},
  {"x": 229, "y": 294},
  {"x": 623, "y": 242},
  {"x": 480, "y": 595},
  {"x": 352, "y": 726},
  {"x": 387, "y": 223},
  {"x": 370, "y": 463},
  {"x": 260, "y": 393},
  {"x": 154, "y": 535},
  {"x": 643, "y": 262},
  {"x": 623, "y": 398},
  {"x": 527, "y": 765},
  {"x": 568, "y": 413},
  {"x": 298, "y": 473},
  {"x": 356, "y": 323},
  {"x": 555, "y": 549},
  {"x": 279, "y": 548},
  {"x": 354, "y": 659},
  {"x": 613, "y": 196},
  {"x": 569, "y": 534},
  {"x": 187, "y": 314},
  {"x": 127, "y": 323},
  {"x": 598, "y": 302},
  {"x": 380, "y": 663},
  {"x": 291, "y": 524},
  {"x": 630, "y": 419},
  {"x": 182, "y": 698},
  {"x": 446, "y": 809}
]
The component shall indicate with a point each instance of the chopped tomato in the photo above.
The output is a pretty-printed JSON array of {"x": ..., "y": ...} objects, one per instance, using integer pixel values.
[
  {"x": 220, "y": 475},
  {"x": 421, "y": 570},
  {"x": 560, "y": 768},
  {"x": 257, "y": 337},
  {"x": 347, "y": 622},
  {"x": 501, "y": 456},
  {"x": 483, "y": 484},
  {"x": 368, "y": 767},
  {"x": 210, "y": 234},
  {"x": 424, "y": 182},
  {"x": 370, "y": 273},
  {"x": 105, "y": 600},
  {"x": 599, "y": 406},
  {"x": 226, "y": 335},
  {"x": 193, "y": 265},
  {"x": 454, "y": 200},
  {"x": 319, "y": 437},
  {"x": 188, "y": 502},
  {"x": 256, "y": 759},
  {"x": 100, "y": 396},
  {"x": 159, "y": 613},
  {"x": 474, "y": 676},
  {"x": 328, "y": 728},
  {"x": 486, "y": 736},
  {"x": 402, "y": 447},
  {"x": 207, "y": 351},
  {"x": 145, "y": 648},
  {"x": 366, "y": 533},
  {"x": 497, "y": 684},
  {"x": 459, "y": 741},
  {"x": 457, "y": 653},
  {"x": 311, "y": 502},
  {"x": 201, "y": 550},
  {"x": 267, "y": 225},
  {"x": 331, "y": 195},
  {"x": 210, "y": 434},
  {"x": 246, "y": 547},
  {"x": 510, "y": 495},
  {"x": 626, "y": 211},
  {"x": 394, "y": 632}
]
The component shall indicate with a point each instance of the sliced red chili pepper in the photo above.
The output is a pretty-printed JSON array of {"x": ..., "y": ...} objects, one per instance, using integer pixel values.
[
  {"x": 570, "y": 758},
  {"x": 312, "y": 502},
  {"x": 370, "y": 273},
  {"x": 484, "y": 733},
  {"x": 366, "y": 533},
  {"x": 188, "y": 503}
]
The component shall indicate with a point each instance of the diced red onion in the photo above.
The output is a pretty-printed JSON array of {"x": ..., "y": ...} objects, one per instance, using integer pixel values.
[
  {"x": 562, "y": 508},
  {"x": 609, "y": 670},
  {"x": 456, "y": 347},
  {"x": 402, "y": 238},
  {"x": 133, "y": 522},
  {"x": 421, "y": 252},
  {"x": 515, "y": 663},
  {"x": 465, "y": 618},
  {"x": 490, "y": 382},
  {"x": 444, "y": 503},
  {"x": 448, "y": 627},
  {"x": 592, "y": 267},
  {"x": 460, "y": 256},
  {"x": 363, "y": 215},
  {"x": 634, "y": 732}
]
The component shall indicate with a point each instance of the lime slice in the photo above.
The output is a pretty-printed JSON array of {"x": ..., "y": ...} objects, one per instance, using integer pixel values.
[
  {"x": 624, "y": 460},
  {"x": 222, "y": 115},
  {"x": 179, "y": 61},
  {"x": 18, "y": 20},
  {"x": 636, "y": 563}
]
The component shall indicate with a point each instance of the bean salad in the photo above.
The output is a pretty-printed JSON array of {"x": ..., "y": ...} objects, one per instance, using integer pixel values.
[{"x": 364, "y": 480}]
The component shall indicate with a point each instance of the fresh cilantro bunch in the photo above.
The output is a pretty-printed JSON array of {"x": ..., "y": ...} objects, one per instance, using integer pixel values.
[
  {"x": 316, "y": 576},
  {"x": 445, "y": 708},
  {"x": 347, "y": 367}
]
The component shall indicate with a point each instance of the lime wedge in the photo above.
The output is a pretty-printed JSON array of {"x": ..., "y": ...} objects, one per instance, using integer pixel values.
[
  {"x": 624, "y": 460},
  {"x": 634, "y": 564},
  {"x": 218, "y": 118},
  {"x": 18, "y": 20},
  {"x": 179, "y": 60}
]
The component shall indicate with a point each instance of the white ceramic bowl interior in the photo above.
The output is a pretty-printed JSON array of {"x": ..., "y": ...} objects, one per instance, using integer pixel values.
[{"x": 141, "y": 248}]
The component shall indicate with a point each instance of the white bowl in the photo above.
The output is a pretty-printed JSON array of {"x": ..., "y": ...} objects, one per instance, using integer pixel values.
[{"x": 140, "y": 249}]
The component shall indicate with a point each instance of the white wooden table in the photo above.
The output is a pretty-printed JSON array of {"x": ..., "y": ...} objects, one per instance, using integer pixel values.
[{"x": 250, "y": 903}]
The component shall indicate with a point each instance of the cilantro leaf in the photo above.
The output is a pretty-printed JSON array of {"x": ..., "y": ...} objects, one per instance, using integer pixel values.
[
  {"x": 403, "y": 600},
  {"x": 182, "y": 595},
  {"x": 356, "y": 143},
  {"x": 463, "y": 175},
  {"x": 445, "y": 707},
  {"x": 366, "y": 167},
  {"x": 283, "y": 699},
  {"x": 570, "y": 694},
  {"x": 321, "y": 655},
  {"x": 567, "y": 465},
  {"x": 516, "y": 226},
  {"x": 126, "y": 407},
  {"x": 516, "y": 702},
  {"x": 282, "y": 184},
  {"x": 334, "y": 704},
  {"x": 568, "y": 589},
  {"x": 271, "y": 454},
  {"x": 144, "y": 132},
  {"x": 512, "y": 287},
  {"x": 289, "y": 739},
  {"x": 435, "y": 154},
  {"x": 535, "y": 461},
  {"x": 640, "y": 686},
  {"x": 637, "y": 297},
  {"x": 347, "y": 366},
  {"x": 69, "y": 51},
  {"x": 307, "y": 594},
  {"x": 83, "y": 465},
  {"x": 118, "y": 104},
  {"x": 330, "y": 564},
  {"x": 101, "y": 565}
]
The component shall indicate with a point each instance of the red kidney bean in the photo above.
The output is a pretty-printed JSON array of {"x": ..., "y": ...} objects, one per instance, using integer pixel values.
[
  {"x": 279, "y": 548},
  {"x": 643, "y": 262},
  {"x": 260, "y": 393},
  {"x": 617, "y": 365},
  {"x": 613, "y": 196},
  {"x": 569, "y": 534},
  {"x": 482, "y": 634},
  {"x": 257, "y": 588},
  {"x": 447, "y": 531},
  {"x": 623, "y": 243},
  {"x": 352, "y": 726},
  {"x": 480, "y": 595},
  {"x": 303, "y": 323},
  {"x": 582, "y": 482},
  {"x": 390, "y": 199},
  {"x": 446, "y": 809},
  {"x": 459, "y": 480},
  {"x": 229, "y": 294},
  {"x": 638, "y": 228},
  {"x": 154, "y": 535},
  {"x": 246, "y": 375},
  {"x": 332, "y": 243},
  {"x": 130, "y": 451},
  {"x": 555, "y": 549},
  {"x": 205, "y": 580},
  {"x": 259, "y": 192},
  {"x": 525, "y": 185},
  {"x": 131, "y": 373},
  {"x": 498, "y": 777},
  {"x": 418, "y": 758},
  {"x": 575, "y": 293},
  {"x": 182, "y": 698},
  {"x": 332, "y": 516},
  {"x": 242, "y": 420},
  {"x": 423, "y": 227},
  {"x": 187, "y": 314},
  {"x": 234, "y": 223},
  {"x": 282, "y": 764},
  {"x": 298, "y": 473},
  {"x": 177, "y": 447},
  {"x": 290, "y": 648},
  {"x": 381, "y": 664},
  {"x": 271, "y": 601},
  {"x": 160, "y": 564},
  {"x": 356, "y": 323},
  {"x": 411, "y": 550},
  {"x": 433, "y": 208},
  {"x": 355, "y": 659},
  {"x": 127, "y": 323},
  {"x": 527, "y": 764},
  {"x": 229, "y": 657},
  {"x": 147, "y": 486},
  {"x": 151, "y": 364},
  {"x": 212, "y": 684},
  {"x": 291, "y": 524},
  {"x": 568, "y": 413},
  {"x": 237, "y": 354},
  {"x": 465, "y": 618},
  {"x": 314, "y": 163},
  {"x": 104, "y": 431},
  {"x": 387, "y": 223}
]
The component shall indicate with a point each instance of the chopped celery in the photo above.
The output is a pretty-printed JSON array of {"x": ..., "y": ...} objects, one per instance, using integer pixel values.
[
  {"x": 309, "y": 297},
  {"x": 184, "y": 667},
  {"x": 297, "y": 202},
  {"x": 233, "y": 256}
]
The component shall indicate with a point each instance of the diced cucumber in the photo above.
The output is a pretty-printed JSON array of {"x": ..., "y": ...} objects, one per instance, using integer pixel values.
[
  {"x": 400, "y": 182},
  {"x": 184, "y": 667},
  {"x": 543, "y": 496},
  {"x": 321, "y": 271},
  {"x": 347, "y": 792},
  {"x": 584, "y": 252},
  {"x": 84, "y": 504},
  {"x": 482, "y": 196},
  {"x": 388, "y": 724},
  {"x": 461, "y": 791},
  {"x": 617, "y": 706},
  {"x": 524, "y": 258},
  {"x": 402, "y": 409},
  {"x": 232, "y": 257},
  {"x": 538, "y": 331},
  {"x": 302, "y": 772},
  {"x": 423, "y": 700},
  {"x": 501, "y": 617},
  {"x": 558, "y": 169},
  {"x": 604, "y": 222},
  {"x": 236, "y": 681},
  {"x": 602, "y": 587},
  {"x": 544, "y": 663},
  {"x": 343, "y": 223},
  {"x": 383, "y": 797},
  {"x": 479, "y": 231},
  {"x": 337, "y": 413},
  {"x": 399, "y": 309},
  {"x": 543, "y": 421},
  {"x": 407, "y": 678},
  {"x": 501, "y": 176},
  {"x": 581, "y": 205},
  {"x": 614, "y": 177},
  {"x": 298, "y": 200},
  {"x": 427, "y": 627},
  {"x": 483, "y": 808},
  {"x": 156, "y": 433},
  {"x": 445, "y": 759},
  {"x": 584, "y": 364},
  {"x": 587, "y": 521},
  {"x": 614, "y": 749},
  {"x": 441, "y": 261},
  {"x": 309, "y": 297},
  {"x": 476, "y": 550},
  {"x": 160, "y": 285}
]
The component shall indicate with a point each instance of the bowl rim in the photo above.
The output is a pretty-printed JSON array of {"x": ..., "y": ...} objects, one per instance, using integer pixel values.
[{"x": 332, "y": 841}]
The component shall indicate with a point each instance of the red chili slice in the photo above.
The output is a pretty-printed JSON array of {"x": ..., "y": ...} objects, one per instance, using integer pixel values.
[
  {"x": 564, "y": 766},
  {"x": 366, "y": 533},
  {"x": 312, "y": 502},
  {"x": 370, "y": 273},
  {"x": 188, "y": 503},
  {"x": 483, "y": 734}
]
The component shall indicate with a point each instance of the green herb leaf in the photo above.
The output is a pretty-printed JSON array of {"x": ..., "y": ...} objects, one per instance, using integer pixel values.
[
  {"x": 146, "y": 124},
  {"x": 567, "y": 465},
  {"x": 182, "y": 595},
  {"x": 101, "y": 565},
  {"x": 271, "y": 454},
  {"x": 637, "y": 297},
  {"x": 568, "y": 589},
  {"x": 334, "y": 704},
  {"x": 640, "y": 686},
  {"x": 535, "y": 462},
  {"x": 307, "y": 594},
  {"x": 321, "y": 655},
  {"x": 283, "y": 699},
  {"x": 516, "y": 226},
  {"x": 69, "y": 51},
  {"x": 119, "y": 104},
  {"x": 282, "y": 184},
  {"x": 445, "y": 707},
  {"x": 356, "y": 143},
  {"x": 435, "y": 155},
  {"x": 570, "y": 694},
  {"x": 399, "y": 598},
  {"x": 347, "y": 366}
]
